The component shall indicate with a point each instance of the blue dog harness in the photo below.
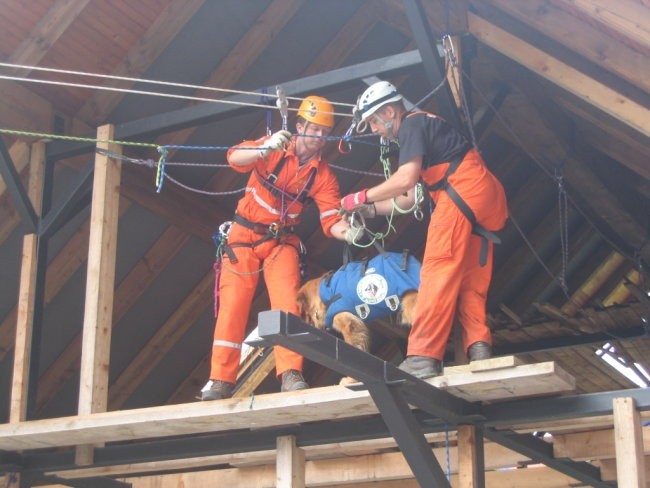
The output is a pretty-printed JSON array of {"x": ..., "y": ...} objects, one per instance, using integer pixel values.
[{"x": 370, "y": 289}]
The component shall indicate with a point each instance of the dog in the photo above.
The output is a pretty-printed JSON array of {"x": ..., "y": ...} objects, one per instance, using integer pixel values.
[{"x": 361, "y": 291}]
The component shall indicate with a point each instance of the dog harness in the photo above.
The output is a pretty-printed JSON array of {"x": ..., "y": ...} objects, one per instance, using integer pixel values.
[{"x": 370, "y": 289}]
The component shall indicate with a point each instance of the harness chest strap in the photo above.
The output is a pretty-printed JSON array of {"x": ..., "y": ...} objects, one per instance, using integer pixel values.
[{"x": 270, "y": 183}]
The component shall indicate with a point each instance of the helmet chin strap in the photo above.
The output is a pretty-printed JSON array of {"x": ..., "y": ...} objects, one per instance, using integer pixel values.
[{"x": 388, "y": 125}]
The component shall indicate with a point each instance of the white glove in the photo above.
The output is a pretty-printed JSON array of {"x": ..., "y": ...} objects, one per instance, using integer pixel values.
[
  {"x": 353, "y": 234},
  {"x": 277, "y": 142}
]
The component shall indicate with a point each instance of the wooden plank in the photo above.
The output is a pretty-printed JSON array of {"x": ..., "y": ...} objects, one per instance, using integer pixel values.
[
  {"x": 593, "y": 284},
  {"x": 583, "y": 38},
  {"x": 606, "y": 99},
  {"x": 595, "y": 443},
  {"x": 290, "y": 463},
  {"x": 273, "y": 409},
  {"x": 48, "y": 30},
  {"x": 628, "y": 18},
  {"x": 387, "y": 470},
  {"x": 608, "y": 469},
  {"x": 519, "y": 381},
  {"x": 26, "y": 293},
  {"x": 630, "y": 466},
  {"x": 100, "y": 282}
]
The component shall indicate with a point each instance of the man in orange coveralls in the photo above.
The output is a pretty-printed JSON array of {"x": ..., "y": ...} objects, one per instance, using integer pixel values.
[
  {"x": 469, "y": 203},
  {"x": 285, "y": 171}
]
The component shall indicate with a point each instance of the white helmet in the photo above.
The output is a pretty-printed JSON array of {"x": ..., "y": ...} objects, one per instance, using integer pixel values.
[{"x": 376, "y": 95}]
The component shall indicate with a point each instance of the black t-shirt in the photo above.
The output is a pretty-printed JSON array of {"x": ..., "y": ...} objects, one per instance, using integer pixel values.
[{"x": 427, "y": 135}]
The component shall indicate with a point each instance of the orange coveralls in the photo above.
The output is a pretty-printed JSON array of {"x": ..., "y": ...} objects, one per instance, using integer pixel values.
[
  {"x": 452, "y": 277},
  {"x": 276, "y": 258}
]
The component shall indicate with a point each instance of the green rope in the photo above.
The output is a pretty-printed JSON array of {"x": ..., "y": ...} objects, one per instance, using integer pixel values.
[{"x": 43, "y": 135}]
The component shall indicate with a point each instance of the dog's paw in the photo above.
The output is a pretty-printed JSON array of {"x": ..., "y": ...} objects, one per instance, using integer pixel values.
[{"x": 348, "y": 380}]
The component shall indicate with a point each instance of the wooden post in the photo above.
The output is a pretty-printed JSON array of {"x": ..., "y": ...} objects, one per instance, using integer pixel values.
[
  {"x": 290, "y": 464},
  {"x": 471, "y": 472},
  {"x": 100, "y": 284},
  {"x": 26, "y": 293},
  {"x": 628, "y": 439}
]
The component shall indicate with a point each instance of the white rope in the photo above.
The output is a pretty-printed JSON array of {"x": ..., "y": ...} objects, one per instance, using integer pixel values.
[{"x": 146, "y": 80}]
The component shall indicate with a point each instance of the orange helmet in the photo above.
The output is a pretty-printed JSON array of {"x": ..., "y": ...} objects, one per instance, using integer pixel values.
[{"x": 318, "y": 110}]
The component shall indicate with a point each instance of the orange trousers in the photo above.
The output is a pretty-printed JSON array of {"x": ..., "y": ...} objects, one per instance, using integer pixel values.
[
  {"x": 278, "y": 263},
  {"x": 452, "y": 279}
]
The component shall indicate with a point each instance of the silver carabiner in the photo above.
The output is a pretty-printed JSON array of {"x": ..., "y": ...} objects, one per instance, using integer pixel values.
[
  {"x": 224, "y": 229},
  {"x": 283, "y": 105}
]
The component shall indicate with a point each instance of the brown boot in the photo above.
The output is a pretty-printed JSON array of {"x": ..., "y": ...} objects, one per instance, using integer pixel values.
[
  {"x": 218, "y": 390},
  {"x": 421, "y": 366},
  {"x": 479, "y": 350},
  {"x": 292, "y": 380}
]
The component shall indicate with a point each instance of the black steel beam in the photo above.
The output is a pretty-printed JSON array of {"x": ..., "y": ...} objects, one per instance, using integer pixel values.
[
  {"x": 76, "y": 199},
  {"x": 409, "y": 437},
  {"x": 531, "y": 411},
  {"x": 206, "y": 112},
  {"x": 433, "y": 64},
  {"x": 550, "y": 343},
  {"x": 541, "y": 451},
  {"x": 34, "y": 479},
  {"x": 20, "y": 198},
  {"x": 285, "y": 329},
  {"x": 391, "y": 389}
]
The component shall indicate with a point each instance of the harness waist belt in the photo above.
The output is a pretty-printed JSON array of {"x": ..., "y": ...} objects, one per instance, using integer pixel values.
[{"x": 275, "y": 228}]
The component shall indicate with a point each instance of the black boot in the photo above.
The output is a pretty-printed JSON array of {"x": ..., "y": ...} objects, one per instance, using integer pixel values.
[
  {"x": 479, "y": 350},
  {"x": 421, "y": 366},
  {"x": 218, "y": 390},
  {"x": 292, "y": 380}
]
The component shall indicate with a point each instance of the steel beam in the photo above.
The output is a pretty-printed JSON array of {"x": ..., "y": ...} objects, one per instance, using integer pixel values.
[
  {"x": 21, "y": 200},
  {"x": 391, "y": 389},
  {"x": 206, "y": 112},
  {"x": 433, "y": 65},
  {"x": 75, "y": 201},
  {"x": 531, "y": 411},
  {"x": 541, "y": 451},
  {"x": 282, "y": 328}
]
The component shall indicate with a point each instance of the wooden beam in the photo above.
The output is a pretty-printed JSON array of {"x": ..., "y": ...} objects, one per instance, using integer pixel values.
[
  {"x": 469, "y": 475},
  {"x": 148, "y": 47},
  {"x": 290, "y": 464},
  {"x": 362, "y": 473},
  {"x": 594, "y": 283},
  {"x": 100, "y": 282},
  {"x": 606, "y": 99},
  {"x": 46, "y": 32},
  {"x": 26, "y": 293},
  {"x": 269, "y": 410},
  {"x": 583, "y": 38},
  {"x": 630, "y": 466},
  {"x": 627, "y": 18}
]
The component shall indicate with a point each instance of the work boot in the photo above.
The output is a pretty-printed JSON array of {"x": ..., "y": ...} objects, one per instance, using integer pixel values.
[
  {"x": 292, "y": 380},
  {"x": 218, "y": 390},
  {"x": 421, "y": 366},
  {"x": 479, "y": 350}
]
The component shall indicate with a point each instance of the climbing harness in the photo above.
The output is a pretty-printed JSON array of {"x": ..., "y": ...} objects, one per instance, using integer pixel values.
[
  {"x": 478, "y": 229},
  {"x": 372, "y": 288}
]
